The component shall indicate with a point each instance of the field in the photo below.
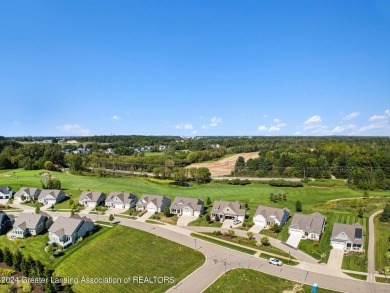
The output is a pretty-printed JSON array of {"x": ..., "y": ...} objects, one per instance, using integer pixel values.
[
  {"x": 253, "y": 194},
  {"x": 382, "y": 244},
  {"x": 248, "y": 281},
  {"x": 105, "y": 258},
  {"x": 224, "y": 166}
]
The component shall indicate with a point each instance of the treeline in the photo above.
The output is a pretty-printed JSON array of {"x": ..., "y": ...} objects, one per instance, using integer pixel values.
[{"x": 33, "y": 269}]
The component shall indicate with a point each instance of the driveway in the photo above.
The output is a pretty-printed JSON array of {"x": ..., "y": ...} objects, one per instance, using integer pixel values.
[
  {"x": 87, "y": 210},
  {"x": 145, "y": 216},
  {"x": 371, "y": 247},
  {"x": 115, "y": 211},
  {"x": 294, "y": 239},
  {"x": 228, "y": 224},
  {"x": 335, "y": 259},
  {"x": 255, "y": 229},
  {"x": 185, "y": 220}
]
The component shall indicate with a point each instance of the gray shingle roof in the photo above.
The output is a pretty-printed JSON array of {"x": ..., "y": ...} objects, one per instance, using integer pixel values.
[
  {"x": 266, "y": 212},
  {"x": 227, "y": 208},
  {"x": 5, "y": 189},
  {"x": 349, "y": 230},
  {"x": 124, "y": 197},
  {"x": 31, "y": 191},
  {"x": 313, "y": 223},
  {"x": 29, "y": 221},
  {"x": 156, "y": 199},
  {"x": 53, "y": 192},
  {"x": 65, "y": 226},
  {"x": 180, "y": 202},
  {"x": 92, "y": 195}
]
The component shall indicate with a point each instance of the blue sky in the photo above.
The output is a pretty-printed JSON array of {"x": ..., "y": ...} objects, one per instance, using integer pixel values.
[{"x": 195, "y": 67}]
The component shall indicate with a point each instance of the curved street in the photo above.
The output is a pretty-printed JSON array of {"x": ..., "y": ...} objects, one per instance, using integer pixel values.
[{"x": 371, "y": 247}]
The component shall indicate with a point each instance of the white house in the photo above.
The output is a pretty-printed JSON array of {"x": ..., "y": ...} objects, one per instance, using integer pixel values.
[
  {"x": 5, "y": 192},
  {"x": 347, "y": 237},
  {"x": 228, "y": 210},
  {"x": 66, "y": 231},
  {"x": 123, "y": 200},
  {"x": 308, "y": 226},
  {"x": 30, "y": 225},
  {"x": 153, "y": 203},
  {"x": 265, "y": 216},
  {"x": 187, "y": 206},
  {"x": 29, "y": 193},
  {"x": 51, "y": 196},
  {"x": 91, "y": 198}
]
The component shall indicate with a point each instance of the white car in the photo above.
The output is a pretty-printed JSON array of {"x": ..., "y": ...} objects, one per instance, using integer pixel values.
[
  {"x": 275, "y": 261},
  {"x": 236, "y": 222}
]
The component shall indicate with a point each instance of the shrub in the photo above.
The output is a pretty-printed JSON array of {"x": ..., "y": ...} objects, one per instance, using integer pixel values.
[{"x": 285, "y": 183}]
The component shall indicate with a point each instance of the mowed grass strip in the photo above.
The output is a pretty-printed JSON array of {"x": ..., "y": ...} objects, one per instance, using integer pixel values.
[
  {"x": 224, "y": 244},
  {"x": 382, "y": 243},
  {"x": 248, "y": 281},
  {"x": 125, "y": 252}
]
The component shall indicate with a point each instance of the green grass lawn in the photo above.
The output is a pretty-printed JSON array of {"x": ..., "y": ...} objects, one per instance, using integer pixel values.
[
  {"x": 282, "y": 235},
  {"x": 34, "y": 247},
  {"x": 254, "y": 194},
  {"x": 172, "y": 219},
  {"x": 224, "y": 244},
  {"x": 248, "y": 281},
  {"x": 201, "y": 221},
  {"x": 121, "y": 252},
  {"x": 357, "y": 276},
  {"x": 249, "y": 243},
  {"x": 382, "y": 244}
]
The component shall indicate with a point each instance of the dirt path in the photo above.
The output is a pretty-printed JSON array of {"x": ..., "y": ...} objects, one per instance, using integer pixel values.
[{"x": 224, "y": 166}]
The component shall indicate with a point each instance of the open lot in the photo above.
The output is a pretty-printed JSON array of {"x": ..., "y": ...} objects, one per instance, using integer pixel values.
[
  {"x": 382, "y": 244},
  {"x": 247, "y": 281}
]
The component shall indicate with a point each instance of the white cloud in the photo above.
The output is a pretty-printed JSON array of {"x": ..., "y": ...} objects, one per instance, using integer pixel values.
[
  {"x": 74, "y": 129},
  {"x": 115, "y": 117},
  {"x": 214, "y": 121},
  {"x": 186, "y": 126},
  {"x": 313, "y": 123},
  {"x": 342, "y": 129},
  {"x": 278, "y": 124},
  {"x": 274, "y": 129},
  {"x": 297, "y": 133},
  {"x": 351, "y": 116},
  {"x": 194, "y": 132},
  {"x": 265, "y": 116},
  {"x": 380, "y": 117},
  {"x": 313, "y": 120}
]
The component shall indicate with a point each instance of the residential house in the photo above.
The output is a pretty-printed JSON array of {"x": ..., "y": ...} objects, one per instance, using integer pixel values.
[
  {"x": 308, "y": 226},
  {"x": 347, "y": 237},
  {"x": 268, "y": 216},
  {"x": 187, "y": 206},
  {"x": 228, "y": 210},
  {"x": 91, "y": 198},
  {"x": 27, "y": 193},
  {"x": 5, "y": 192},
  {"x": 6, "y": 222},
  {"x": 30, "y": 225},
  {"x": 153, "y": 203},
  {"x": 124, "y": 200},
  {"x": 66, "y": 231},
  {"x": 51, "y": 196}
]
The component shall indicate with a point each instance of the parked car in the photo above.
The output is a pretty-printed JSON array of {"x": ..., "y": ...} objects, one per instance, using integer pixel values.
[
  {"x": 275, "y": 261},
  {"x": 236, "y": 222}
]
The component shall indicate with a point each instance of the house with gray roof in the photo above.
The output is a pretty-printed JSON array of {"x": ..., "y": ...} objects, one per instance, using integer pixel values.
[
  {"x": 27, "y": 194},
  {"x": 347, "y": 237},
  {"x": 51, "y": 196},
  {"x": 66, "y": 231},
  {"x": 153, "y": 203},
  {"x": 91, "y": 198},
  {"x": 187, "y": 206},
  {"x": 123, "y": 200},
  {"x": 268, "y": 216},
  {"x": 227, "y": 210},
  {"x": 308, "y": 226},
  {"x": 30, "y": 225},
  {"x": 5, "y": 192},
  {"x": 6, "y": 222}
]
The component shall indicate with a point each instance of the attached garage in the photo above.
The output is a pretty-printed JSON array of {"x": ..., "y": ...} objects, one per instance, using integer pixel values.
[
  {"x": 118, "y": 205},
  {"x": 338, "y": 245},
  {"x": 259, "y": 221},
  {"x": 187, "y": 213},
  {"x": 196, "y": 213}
]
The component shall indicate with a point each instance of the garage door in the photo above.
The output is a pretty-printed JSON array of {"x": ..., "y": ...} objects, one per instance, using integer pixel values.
[
  {"x": 152, "y": 210},
  {"x": 187, "y": 213},
  {"x": 338, "y": 245},
  {"x": 259, "y": 223},
  {"x": 119, "y": 206}
]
